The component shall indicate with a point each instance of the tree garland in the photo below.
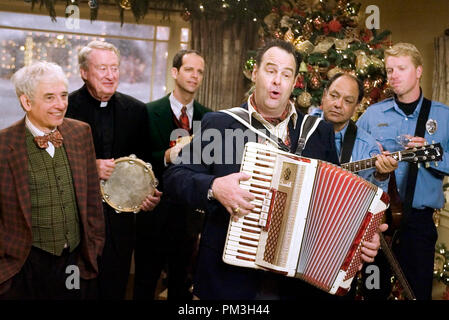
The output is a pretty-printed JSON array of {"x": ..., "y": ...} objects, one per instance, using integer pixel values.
[{"x": 231, "y": 9}]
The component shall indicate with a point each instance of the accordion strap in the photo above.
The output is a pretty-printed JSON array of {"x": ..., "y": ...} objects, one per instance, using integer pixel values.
[
  {"x": 308, "y": 126},
  {"x": 242, "y": 116}
]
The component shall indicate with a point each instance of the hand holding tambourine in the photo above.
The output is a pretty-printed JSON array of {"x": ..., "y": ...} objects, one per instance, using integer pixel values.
[{"x": 131, "y": 186}]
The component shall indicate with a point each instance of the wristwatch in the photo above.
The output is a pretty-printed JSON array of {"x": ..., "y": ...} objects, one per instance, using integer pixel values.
[{"x": 210, "y": 194}]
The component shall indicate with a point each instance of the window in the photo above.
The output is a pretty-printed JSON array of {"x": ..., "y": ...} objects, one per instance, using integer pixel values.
[{"x": 28, "y": 37}]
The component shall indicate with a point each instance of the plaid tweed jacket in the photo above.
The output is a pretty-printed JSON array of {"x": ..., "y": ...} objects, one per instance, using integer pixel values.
[{"x": 15, "y": 204}]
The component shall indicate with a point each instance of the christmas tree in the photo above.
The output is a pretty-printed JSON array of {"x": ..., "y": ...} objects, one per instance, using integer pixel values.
[{"x": 331, "y": 37}]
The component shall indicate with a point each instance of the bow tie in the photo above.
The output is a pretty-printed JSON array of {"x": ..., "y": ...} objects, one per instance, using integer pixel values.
[{"x": 54, "y": 137}]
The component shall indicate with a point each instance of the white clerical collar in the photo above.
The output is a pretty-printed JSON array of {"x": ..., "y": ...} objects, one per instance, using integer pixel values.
[{"x": 103, "y": 104}]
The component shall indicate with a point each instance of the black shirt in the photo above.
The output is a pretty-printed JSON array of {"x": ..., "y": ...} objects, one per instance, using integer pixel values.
[{"x": 408, "y": 108}]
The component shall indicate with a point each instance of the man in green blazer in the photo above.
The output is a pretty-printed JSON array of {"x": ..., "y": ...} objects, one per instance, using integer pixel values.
[{"x": 169, "y": 236}]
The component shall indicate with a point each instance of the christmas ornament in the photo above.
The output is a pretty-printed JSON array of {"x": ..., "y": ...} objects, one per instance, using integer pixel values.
[
  {"x": 277, "y": 34},
  {"x": 300, "y": 82},
  {"x": 248, "y": 68},
  {"x": 304, "y": 100},
  {"x": 304, "y": 47},
  {"x": 332, "y": 72},
  {"x": 315, "y": 80},
  {"x": 303, "y": 67},
  {"x": 324, "y": 45},
  {"x": 362, "y": 61},
  {"x": 125, "y": 4},
  {"x": 376, "y": 62},
  {"x": 307, "y": 30},
  {"x": 342, "y": 44},
  {"x": 318, "y": 22},
  {"x": 334, "y": 25},
  {"x": 289, "y": 36}
]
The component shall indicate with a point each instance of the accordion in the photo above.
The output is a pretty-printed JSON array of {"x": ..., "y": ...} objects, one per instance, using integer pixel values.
[{"x": 309, "y": 221}]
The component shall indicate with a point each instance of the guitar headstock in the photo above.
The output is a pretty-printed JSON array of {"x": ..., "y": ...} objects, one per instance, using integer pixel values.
[{"x": 429, "y": 152}]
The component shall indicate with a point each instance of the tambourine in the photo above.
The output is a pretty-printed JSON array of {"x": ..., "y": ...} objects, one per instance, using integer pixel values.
[{"x": 129, "y": 184}]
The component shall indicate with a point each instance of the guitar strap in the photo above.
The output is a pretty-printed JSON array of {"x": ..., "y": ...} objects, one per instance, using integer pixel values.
[
  {"x": 413, "y": 167},
  {"x": 348, "y": 142}
]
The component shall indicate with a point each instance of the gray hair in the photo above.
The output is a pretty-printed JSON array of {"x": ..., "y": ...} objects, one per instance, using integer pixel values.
[
  {"x": 27, "y": 78},
  {"x": 83, "y": 54}
]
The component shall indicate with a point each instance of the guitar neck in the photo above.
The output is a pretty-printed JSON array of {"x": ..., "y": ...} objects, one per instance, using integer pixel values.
[
  {"x": 396, "y": 268},
  {"x": 361, "y": 165}
]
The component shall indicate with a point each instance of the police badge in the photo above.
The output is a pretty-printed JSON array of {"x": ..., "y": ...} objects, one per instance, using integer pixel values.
[{"x": 431, "y": 126}]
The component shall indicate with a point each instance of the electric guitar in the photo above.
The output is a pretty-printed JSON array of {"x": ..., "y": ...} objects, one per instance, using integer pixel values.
[{"x": 427, "y": 153}]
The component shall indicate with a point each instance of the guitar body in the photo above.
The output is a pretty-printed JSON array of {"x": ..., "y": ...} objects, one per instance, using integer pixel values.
[{"x": 393, "y": 214}]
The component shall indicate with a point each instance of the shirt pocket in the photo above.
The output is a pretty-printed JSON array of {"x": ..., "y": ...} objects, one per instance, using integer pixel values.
[{"x": 386, "y": 136}]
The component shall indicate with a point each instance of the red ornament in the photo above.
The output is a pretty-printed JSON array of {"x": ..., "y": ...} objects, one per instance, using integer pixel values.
[
  {"x": 300, "y": 82},
  {"x": 334, "y": 25},
  {"x": 367, "y": 36}
]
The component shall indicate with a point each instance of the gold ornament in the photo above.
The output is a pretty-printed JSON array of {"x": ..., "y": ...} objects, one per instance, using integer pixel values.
[
  {"x": 303, "y": 67},
  {"x": 332, "y": 72},
  {"x": 304, "y": 100},
  {"x": 342, "y": 44},
  {"x": 376, "y": 62},
  {"x": 304, "y": 47},
  {"x": 289, "y": 36},
  {"x": 362, "y": 61},
  {"x": 125, "y": 4},
  {"x": 307, "y": 30},
  {"x": 324, "y": 45}
]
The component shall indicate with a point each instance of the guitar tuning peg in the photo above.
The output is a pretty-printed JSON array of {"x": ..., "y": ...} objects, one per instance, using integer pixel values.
[
  {"x": 427, "y": 164},
  {"x": 436, "y": 164},
  {"x": 419, "y": 165}
]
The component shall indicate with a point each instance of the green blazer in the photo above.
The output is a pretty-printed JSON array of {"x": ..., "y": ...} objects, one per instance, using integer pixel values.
[{"x": 161, "y": 126}]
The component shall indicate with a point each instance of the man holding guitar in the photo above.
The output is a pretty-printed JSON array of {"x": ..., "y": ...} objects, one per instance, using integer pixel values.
[
  {"x": 420, "y": 189},
  {"x": 342, "y": 95}
]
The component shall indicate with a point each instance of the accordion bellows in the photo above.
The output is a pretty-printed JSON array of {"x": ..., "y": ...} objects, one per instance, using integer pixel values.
[{"x": 310, "y": 218}]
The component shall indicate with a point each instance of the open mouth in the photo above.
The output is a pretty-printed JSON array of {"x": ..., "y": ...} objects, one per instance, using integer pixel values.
[{"x": 275, "y": 94}]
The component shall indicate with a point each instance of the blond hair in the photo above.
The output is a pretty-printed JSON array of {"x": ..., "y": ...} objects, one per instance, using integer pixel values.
[
  {"x": 405, "y": 49},
  {"x": 27, "y": 78},
  {"x": 83, "y": 55}
]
